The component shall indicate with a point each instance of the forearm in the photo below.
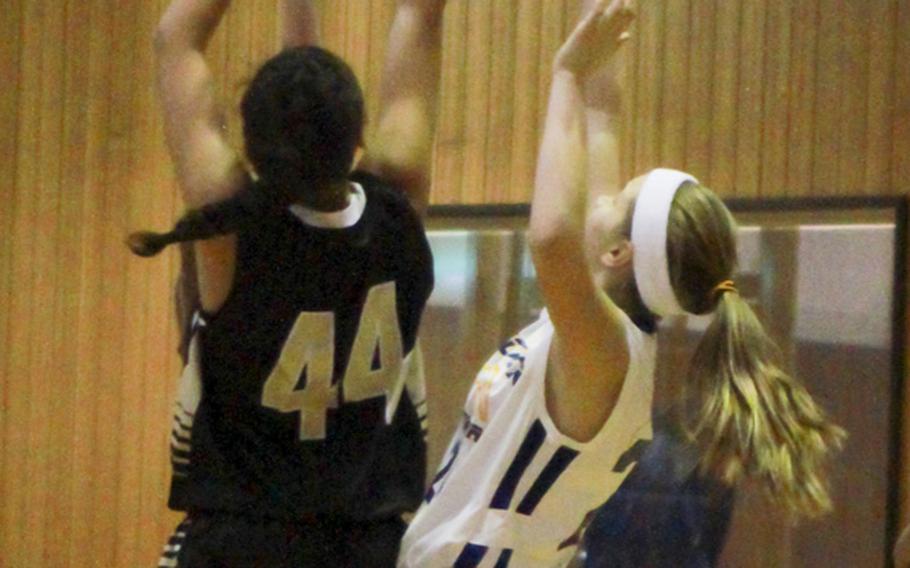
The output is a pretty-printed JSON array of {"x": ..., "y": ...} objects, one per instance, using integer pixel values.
[
  {"x": 189, "y": 24},
  {"x": 299, "y": 24},
  {"x": 401, "y": 148},
  {"x": 603, "y": 110},
  {"x": 560, "y": 188},
  {"x": 411, "y": 69}
]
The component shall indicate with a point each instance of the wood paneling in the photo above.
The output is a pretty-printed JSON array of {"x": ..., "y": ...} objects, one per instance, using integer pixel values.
[
  {"x": 86, "y": 333},
  {"x": 802, "y": 97}
]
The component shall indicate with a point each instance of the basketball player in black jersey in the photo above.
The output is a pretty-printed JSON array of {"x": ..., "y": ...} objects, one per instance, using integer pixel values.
[{"x": 297, "y": 439}]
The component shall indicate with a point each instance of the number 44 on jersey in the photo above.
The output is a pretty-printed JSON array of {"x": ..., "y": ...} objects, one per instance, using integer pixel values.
[{"x": 310, "y": 349}]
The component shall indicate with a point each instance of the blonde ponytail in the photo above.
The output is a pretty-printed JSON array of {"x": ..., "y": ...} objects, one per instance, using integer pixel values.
[
  {"x": 749, "y": 417},
  {"x": 745, "y": 413}
]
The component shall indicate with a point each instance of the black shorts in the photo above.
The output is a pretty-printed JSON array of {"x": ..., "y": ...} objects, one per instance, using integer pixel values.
[{"x": 212, "y": 540}]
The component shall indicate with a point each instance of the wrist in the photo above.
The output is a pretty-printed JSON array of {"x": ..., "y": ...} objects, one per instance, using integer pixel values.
[{"x": 563, "y": 72}]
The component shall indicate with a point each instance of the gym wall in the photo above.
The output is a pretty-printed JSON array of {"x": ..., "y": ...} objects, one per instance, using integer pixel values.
[{"x": 758, "y": 99}]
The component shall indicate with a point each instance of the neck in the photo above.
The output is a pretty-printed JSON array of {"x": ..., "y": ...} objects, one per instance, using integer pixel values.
[
  {"x": 330, "y": 198},
  {"x": 625, "y": 295}
]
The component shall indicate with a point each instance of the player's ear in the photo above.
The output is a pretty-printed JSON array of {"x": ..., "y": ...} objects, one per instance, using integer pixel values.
[
  {"x": 358, "y": 155},
  {"x": 618, "y": 255}
]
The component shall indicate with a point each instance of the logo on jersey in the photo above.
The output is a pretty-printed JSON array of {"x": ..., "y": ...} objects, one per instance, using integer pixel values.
[
  {"x": 514, "y": 352},
  {"x": 508, "y": 362},
  {"x": 471, "y": 431}
]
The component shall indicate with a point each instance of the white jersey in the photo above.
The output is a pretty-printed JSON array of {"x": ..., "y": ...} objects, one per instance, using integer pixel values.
[{"x": 514, "y": 491}]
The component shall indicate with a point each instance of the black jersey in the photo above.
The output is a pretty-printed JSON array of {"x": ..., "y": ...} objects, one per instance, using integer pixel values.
[
  {"x": 665, "y": 513},
  {"x": 301, "y": 406}
]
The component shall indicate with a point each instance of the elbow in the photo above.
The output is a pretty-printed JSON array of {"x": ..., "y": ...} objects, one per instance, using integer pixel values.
[
  {"x": 556, "y": 239},
  {"x": 164, "y": 39},
  {"x": 173, "y": 36},
  {"x": 555, "y": 226},
  {"x": 552, "y": 239},
  {"x": 540, "y": 238}
]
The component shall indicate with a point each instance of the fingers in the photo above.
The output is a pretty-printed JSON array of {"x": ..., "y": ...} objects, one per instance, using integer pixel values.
[
  {"x": 619, "y": 17},
  {"x": 597, "y": 12},
  {"x": 609, "y": 13},
  {"x": 615, "y": 8},
  {"x": 613, "y": 12},
  {"x": 619, "y": 10}
]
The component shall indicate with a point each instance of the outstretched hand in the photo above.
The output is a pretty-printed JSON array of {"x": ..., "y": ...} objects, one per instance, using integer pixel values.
[{"x": 596, "y": 38}]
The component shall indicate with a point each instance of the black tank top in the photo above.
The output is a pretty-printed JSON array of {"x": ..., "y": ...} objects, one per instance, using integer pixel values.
[{"x": 303, "y": 408}]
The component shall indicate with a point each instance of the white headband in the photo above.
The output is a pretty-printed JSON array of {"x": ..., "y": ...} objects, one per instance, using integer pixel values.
[{"x": 649, "y": 240}]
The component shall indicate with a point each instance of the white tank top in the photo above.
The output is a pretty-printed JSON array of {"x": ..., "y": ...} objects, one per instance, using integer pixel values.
[{"x": 514, "y": 491}]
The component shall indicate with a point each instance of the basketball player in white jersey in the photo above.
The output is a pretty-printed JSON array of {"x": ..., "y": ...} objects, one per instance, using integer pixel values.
[{"x": 557, "y": 417}]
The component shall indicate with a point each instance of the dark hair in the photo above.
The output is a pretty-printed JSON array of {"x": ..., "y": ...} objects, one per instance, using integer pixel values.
[{"x": 303, "y": 117}]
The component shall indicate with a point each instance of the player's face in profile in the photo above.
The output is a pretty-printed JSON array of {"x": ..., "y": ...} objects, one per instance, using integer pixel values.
[{"x": 607, "y": 217}]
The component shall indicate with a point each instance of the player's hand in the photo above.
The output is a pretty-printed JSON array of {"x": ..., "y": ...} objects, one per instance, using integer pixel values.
[{"x": 596, "y": 38}]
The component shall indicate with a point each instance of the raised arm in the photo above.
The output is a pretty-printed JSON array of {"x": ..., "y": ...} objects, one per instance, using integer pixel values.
[
  {"x": 590, "y": 336},
  {"x": 402, "y": 147},
  {"x": 602, "y": 94},
  {"x": 299, "y": 25},
  {"x": 207, "y": 168}
]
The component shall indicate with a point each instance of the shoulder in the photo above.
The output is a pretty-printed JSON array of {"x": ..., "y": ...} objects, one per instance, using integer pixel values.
[
  {"x": 391, "y": 198},
  {"x": 393, "y": 219}
]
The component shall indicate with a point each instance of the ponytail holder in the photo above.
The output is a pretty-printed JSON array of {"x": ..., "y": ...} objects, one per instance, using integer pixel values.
[
  {"x": 725, "y": 286},
  {"x": 649, "y": 240},
  {"x": 148, "y": 244}
]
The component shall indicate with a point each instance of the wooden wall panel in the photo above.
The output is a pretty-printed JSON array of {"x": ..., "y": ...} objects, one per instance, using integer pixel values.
[
  {"x": 882, "y": 36},
  {"x": 10, "y": 19},
  {"x": 73, "y": 173},
  {"x": 726, "y": 88},
  {"x": 851, "y": 133},
  {"x": 525, "y": 100},
  {"x": 773, "y": 134},
  {"x": 804, "y": 34},
  {"x": 502, "y": 109},
  {"x": 450, "y": 154},
  {"x": 675, "y": 83},
  {"x": 647, "y": 85},
  {"x": 20, "y": 322},
  {"x": 86, "y": 334},
  {"x": 900, "y": 120},
  {"x": 751, "y": 53},
  {"x": 829, "y": 88},
  {"x": 476, "y": 104},
  {"x": 801, "y": 97}
]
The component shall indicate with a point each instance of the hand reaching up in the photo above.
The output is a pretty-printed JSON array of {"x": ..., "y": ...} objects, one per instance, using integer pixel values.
[{"x": 596, "y": 38}]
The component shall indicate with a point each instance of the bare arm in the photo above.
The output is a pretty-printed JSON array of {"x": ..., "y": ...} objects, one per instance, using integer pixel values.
[
  {"x": 299, "y": 25},
  {"x": 602, "y": 93},
  {"x": 207, "y": 168},
  {"x": 590, "y": 336},
  {"x": 401, "y": 150}
]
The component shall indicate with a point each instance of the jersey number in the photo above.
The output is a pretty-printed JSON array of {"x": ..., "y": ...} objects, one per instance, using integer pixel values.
[{"x": 373, "y": 370}]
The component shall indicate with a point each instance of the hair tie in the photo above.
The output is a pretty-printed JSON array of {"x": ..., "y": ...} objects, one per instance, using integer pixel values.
[{"x": 725, "y": 286}]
